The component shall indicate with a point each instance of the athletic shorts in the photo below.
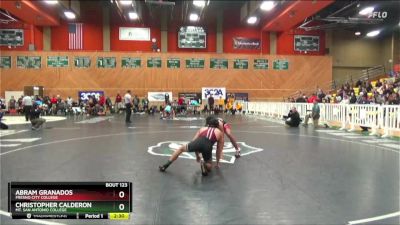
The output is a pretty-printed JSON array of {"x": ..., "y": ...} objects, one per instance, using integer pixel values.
[{"x": 202, "y": 145}]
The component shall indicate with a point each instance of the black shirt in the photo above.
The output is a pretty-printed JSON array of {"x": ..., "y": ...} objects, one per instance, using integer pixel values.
[{"x": 294, "y": 117}]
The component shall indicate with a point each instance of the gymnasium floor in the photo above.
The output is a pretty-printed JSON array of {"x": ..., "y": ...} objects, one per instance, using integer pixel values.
[{"x": 285, "y": 176}]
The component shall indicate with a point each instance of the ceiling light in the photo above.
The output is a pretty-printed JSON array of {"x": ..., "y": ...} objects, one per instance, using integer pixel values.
[
  {"x": 373, "y": 33},
  {"x": 51, "y": 2},
  {"x": 125, "y": 2},
  {"x": 193, "y": 17},
  {"x": 366, "y": 11},
  {"x": 252, "y": 20},
  {"x": 133, "y": 15},
  {"x": 358, "y": 33},
  {"x": 267, "y": 5},
  {"x": 199, "y": 3},
  {"x": 70, "y": 15}
]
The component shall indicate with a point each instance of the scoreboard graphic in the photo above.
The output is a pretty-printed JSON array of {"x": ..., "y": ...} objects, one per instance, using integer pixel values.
[
  {"x": 70, "y": 200},
  {"x": 192, "y": 37}
]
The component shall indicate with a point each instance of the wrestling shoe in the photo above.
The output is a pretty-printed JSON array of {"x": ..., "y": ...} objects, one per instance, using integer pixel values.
[
  {"x": 162, "y": 168},
  {"x": 203, "y": 169}
]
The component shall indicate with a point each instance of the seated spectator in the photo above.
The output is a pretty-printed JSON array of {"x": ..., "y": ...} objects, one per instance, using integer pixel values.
[
  {"x": 293, "y": 118},
  {"x": 312, "y": 98},
  {"x": 301, "y": 99},
  {"x": 353, "y": 98}
]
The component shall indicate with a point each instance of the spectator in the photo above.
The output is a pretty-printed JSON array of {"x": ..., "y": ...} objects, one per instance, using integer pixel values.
[
  {"x": 108, "y": 107},
  {"x": 136, "y": 104},
  {"x": 312, "y": 98},
  {"x": 353, "y": 98},
  {"x": 3, "y": 126},
  {"x": 166, "y": 98},
  {"x": 118, "y": 103},
  {"x": 301, "y": 99},
  {"x": 315, "y": 114},
  {"x": 239, "y": 107},
  {"x": 12, "y": 104},
  {"x": 221, "y": 104},
  {"x": 181, "y": 107},
  {"x": 35, "y": 113},
  {"x": 211, "y": 104},
  {"x": 145, "y": 104},
  {"x": 293, "y": 118},
  {"x": 102, "y": 100}
]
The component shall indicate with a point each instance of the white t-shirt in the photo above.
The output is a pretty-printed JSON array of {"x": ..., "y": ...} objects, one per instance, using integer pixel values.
[
  {"x": 127, "y": 98},
  {"x": 69, "y": 101},
  {"x": 27, "y": 101}
]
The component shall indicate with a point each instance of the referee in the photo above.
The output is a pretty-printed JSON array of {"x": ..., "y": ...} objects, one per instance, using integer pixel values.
[{"x": 128, "y": 106}]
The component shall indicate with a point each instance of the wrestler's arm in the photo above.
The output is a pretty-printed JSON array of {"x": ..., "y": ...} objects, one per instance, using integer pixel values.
[{"x": 220, "y": 146}]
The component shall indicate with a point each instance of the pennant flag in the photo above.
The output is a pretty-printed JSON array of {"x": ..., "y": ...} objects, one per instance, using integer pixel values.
[{"x": 75, "y": 36}]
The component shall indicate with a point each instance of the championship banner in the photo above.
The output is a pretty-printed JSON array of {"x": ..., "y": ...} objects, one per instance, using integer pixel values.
[
  {"x": 134, "y": 34},
  {"x": 84, "y": 95},
  {"x": 216, "y": 92},
  {"x": 246, "y": 43},
  {"x": 158, "y": 96}
]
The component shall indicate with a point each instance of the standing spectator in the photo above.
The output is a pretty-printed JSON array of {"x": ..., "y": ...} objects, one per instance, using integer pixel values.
[
  {"x": 181, "y": 108},
  {"x": 221, "y": 104},
  {"x": 211, "y": 104},
  {"x": 12, "y": 104},
  {"x": 128, "y": 106},
  {"x": 145, "y": 104},
  {"x": 166, "y": 96},
  {"x": 20, "y": 106},
  {"x": 27, "y": 104},
  {"x": 70, "y": 102},
  {"x": 118, "y": 103},
  {"x": 108, "y": 105},
  {"x": 53, "y": 105},
  {"x": 102, "y": 100},
  {"x": 136, "y": 104},
  {"x": 314, "y": 114}
]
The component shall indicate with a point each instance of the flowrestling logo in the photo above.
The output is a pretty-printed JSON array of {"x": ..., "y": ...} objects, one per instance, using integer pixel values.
[
  {"x": 166, "y": 148},
  {"x": 378, "y": 15}
]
